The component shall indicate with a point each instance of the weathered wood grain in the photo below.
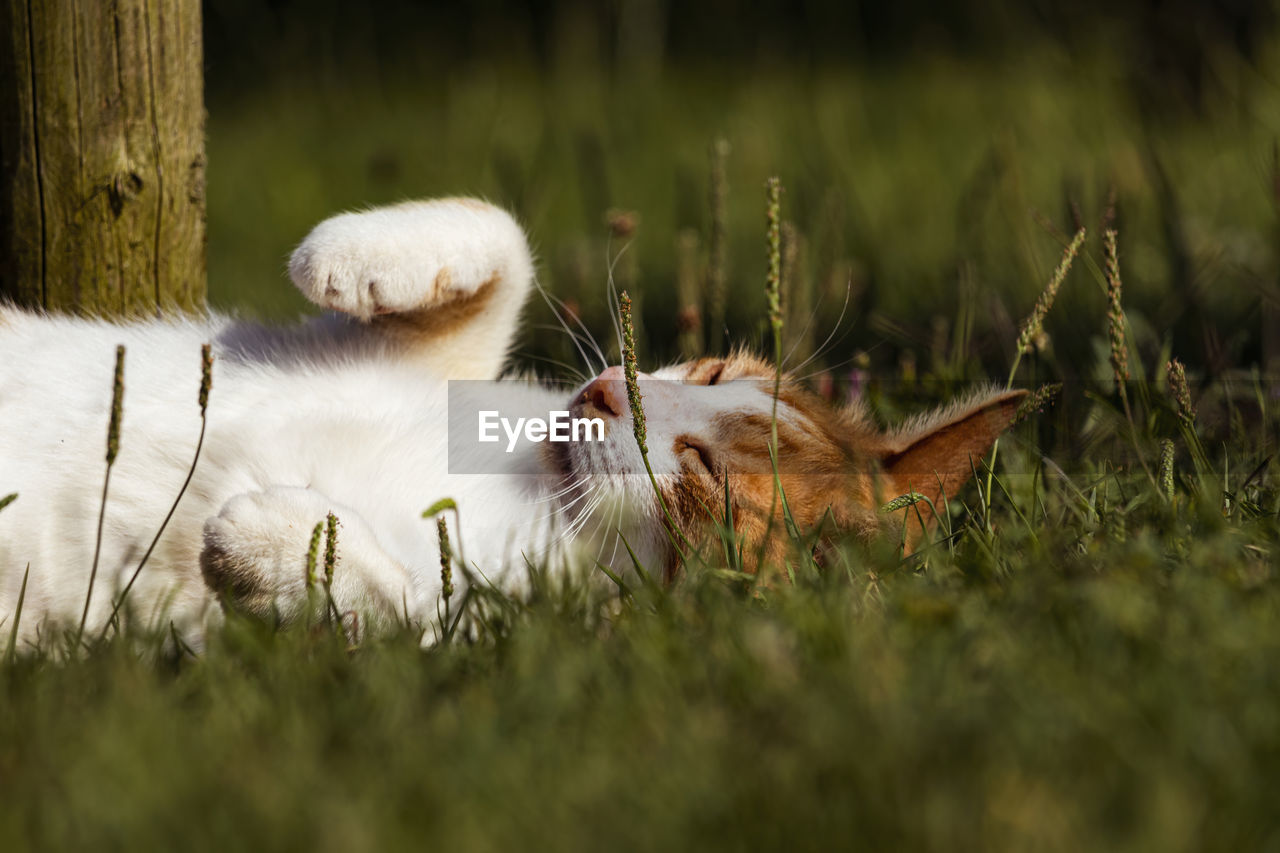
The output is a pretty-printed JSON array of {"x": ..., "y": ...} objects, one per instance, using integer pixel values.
[{"x": 102, "y": 147}]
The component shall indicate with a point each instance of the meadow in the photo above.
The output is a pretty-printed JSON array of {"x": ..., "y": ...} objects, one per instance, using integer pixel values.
[{"x": 1088, "y": 657}]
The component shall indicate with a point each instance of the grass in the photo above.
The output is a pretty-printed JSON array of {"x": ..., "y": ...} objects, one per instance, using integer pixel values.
[
  {"x": 1091, "y": 662},
  {"x": 1070, "y": 690}
]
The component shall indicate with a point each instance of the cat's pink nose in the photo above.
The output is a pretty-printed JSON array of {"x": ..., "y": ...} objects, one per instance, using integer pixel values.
[{"x": 608, "y": 392}]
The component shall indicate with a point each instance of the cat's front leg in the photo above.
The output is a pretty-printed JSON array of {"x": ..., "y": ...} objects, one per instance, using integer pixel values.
[
  {"x": 256, "y": 556},
  {"x": 443, "y": 279}
]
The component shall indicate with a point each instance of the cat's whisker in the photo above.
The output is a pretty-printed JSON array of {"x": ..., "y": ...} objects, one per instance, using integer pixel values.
[
  {"x": 602, "y": 530},
  {"x": 587, "y": 493},
  {"x": 821, "y": 370},
  {"x": 575, "y": 374},
  {"x": 611, "y": 294},
  {"x": 586, "y": 513},
  {"x": 577, "y": 484},
  {"x": 822, "y": 348},
  {"x": 555, "y": 495},
  {"x": 545, "y": 545},
  {"x": 584, "y": 334},
  {"x": 572, "y": 530},
  {"x": 804, "y": 331},
  {"x": 612, "y": 528},
  {"x": 578, "y": 337},
  {"x": 552, "y": 303}
]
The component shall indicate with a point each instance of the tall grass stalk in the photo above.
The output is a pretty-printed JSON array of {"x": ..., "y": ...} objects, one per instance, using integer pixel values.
[
  {"x": 717, "y": 247},
  {"x": 1119, "y": 342},
  {"x": 1032, "y": 328},
  {"x": 17, "y": 619},
  {"x": 434, "y": 510},
  {"x": 907, "y": 502},
  {"x": 330, "y": 566},
  {"x": 313, "y": 569},
  {"x": 1115, "y": 316},
  {"x": 113, "y": 450},
  {"x": 773, "y": 301},
  {"x": 689, "y": 316},
  {"x": 313, "y": 555},
  {"x": 446, "y": 565},
  {"x": 449, "y": 504},
  {"x": 796, "y": 294},
  {"x": 330, "y": 547},
  {"x": 206, "y": 384},
  {"x": 773, "y": 287},
  {"x": 637, "y": 416},
  {"x": 1181, "y": 391},
  {"x": 1166, "y": 469}
]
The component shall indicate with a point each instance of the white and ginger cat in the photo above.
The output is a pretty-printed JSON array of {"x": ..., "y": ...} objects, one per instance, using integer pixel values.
[{"x": 348, "y": 413}]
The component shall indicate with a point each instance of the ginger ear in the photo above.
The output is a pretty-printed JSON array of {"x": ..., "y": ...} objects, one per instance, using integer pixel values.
[{"x": 941, "y": 454}]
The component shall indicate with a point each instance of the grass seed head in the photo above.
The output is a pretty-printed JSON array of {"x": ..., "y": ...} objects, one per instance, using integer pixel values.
[
  {"x": 206, "y": 376},
  {"x": 773, "y": 241},
  {"x": 313, "y": 554},
  {"x": 902, "y": 502},
  {"x": 1115, "y": 314},
  {"x": 629, "y": 370},
  {"x": 1036, "y": 402},
  {"x": 1181, "y": 392},
  {"x": 1033, "y": 328},
  {"x": 1166, "y": 468},
  {"x": 446, "y": 558},
  {"x": 117, "y": 408},
  {"x": 330, "y": 547}
]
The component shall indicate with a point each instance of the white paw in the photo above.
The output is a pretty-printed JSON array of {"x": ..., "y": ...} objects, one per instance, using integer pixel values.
[
  {"x": 256, "y": 552},
  {"x": 270, "y": 514},
  {"x": 411, "y": 256},
  {"x": 258, "y": 543}
]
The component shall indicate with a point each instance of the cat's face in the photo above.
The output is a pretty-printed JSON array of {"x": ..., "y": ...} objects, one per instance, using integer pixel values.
[{"x": 709, "y": 432}]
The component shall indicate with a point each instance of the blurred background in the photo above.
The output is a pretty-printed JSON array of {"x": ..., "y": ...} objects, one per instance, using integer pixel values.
[{"x": 936, "y": 156}]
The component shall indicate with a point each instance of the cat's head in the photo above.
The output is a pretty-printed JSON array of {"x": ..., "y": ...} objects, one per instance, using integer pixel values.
[{"x": 709, "y": 427}]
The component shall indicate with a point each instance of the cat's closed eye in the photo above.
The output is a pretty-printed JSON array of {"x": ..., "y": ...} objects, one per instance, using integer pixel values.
[{"x": 695, "y": 454}]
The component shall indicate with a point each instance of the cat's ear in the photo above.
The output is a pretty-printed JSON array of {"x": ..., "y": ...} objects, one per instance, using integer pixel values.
[{"x": 939, "y": 454}]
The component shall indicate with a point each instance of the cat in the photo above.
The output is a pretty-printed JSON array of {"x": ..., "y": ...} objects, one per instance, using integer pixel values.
[{"x": 347, "y": 413}]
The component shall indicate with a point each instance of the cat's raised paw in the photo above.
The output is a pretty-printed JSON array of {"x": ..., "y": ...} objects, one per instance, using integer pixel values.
[{"x": 406, "y": 258}]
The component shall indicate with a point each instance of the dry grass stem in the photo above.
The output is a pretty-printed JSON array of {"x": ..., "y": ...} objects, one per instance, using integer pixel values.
[
  {"x": 1034, "y": 325},
  {"x": 1115, "y": 313},
  {"x": 717, "y": 248},
  {"x": 1181, "y": 393}
]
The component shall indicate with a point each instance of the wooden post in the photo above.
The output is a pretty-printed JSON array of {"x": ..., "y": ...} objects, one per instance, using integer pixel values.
[{"x": 102, "y": 146}]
